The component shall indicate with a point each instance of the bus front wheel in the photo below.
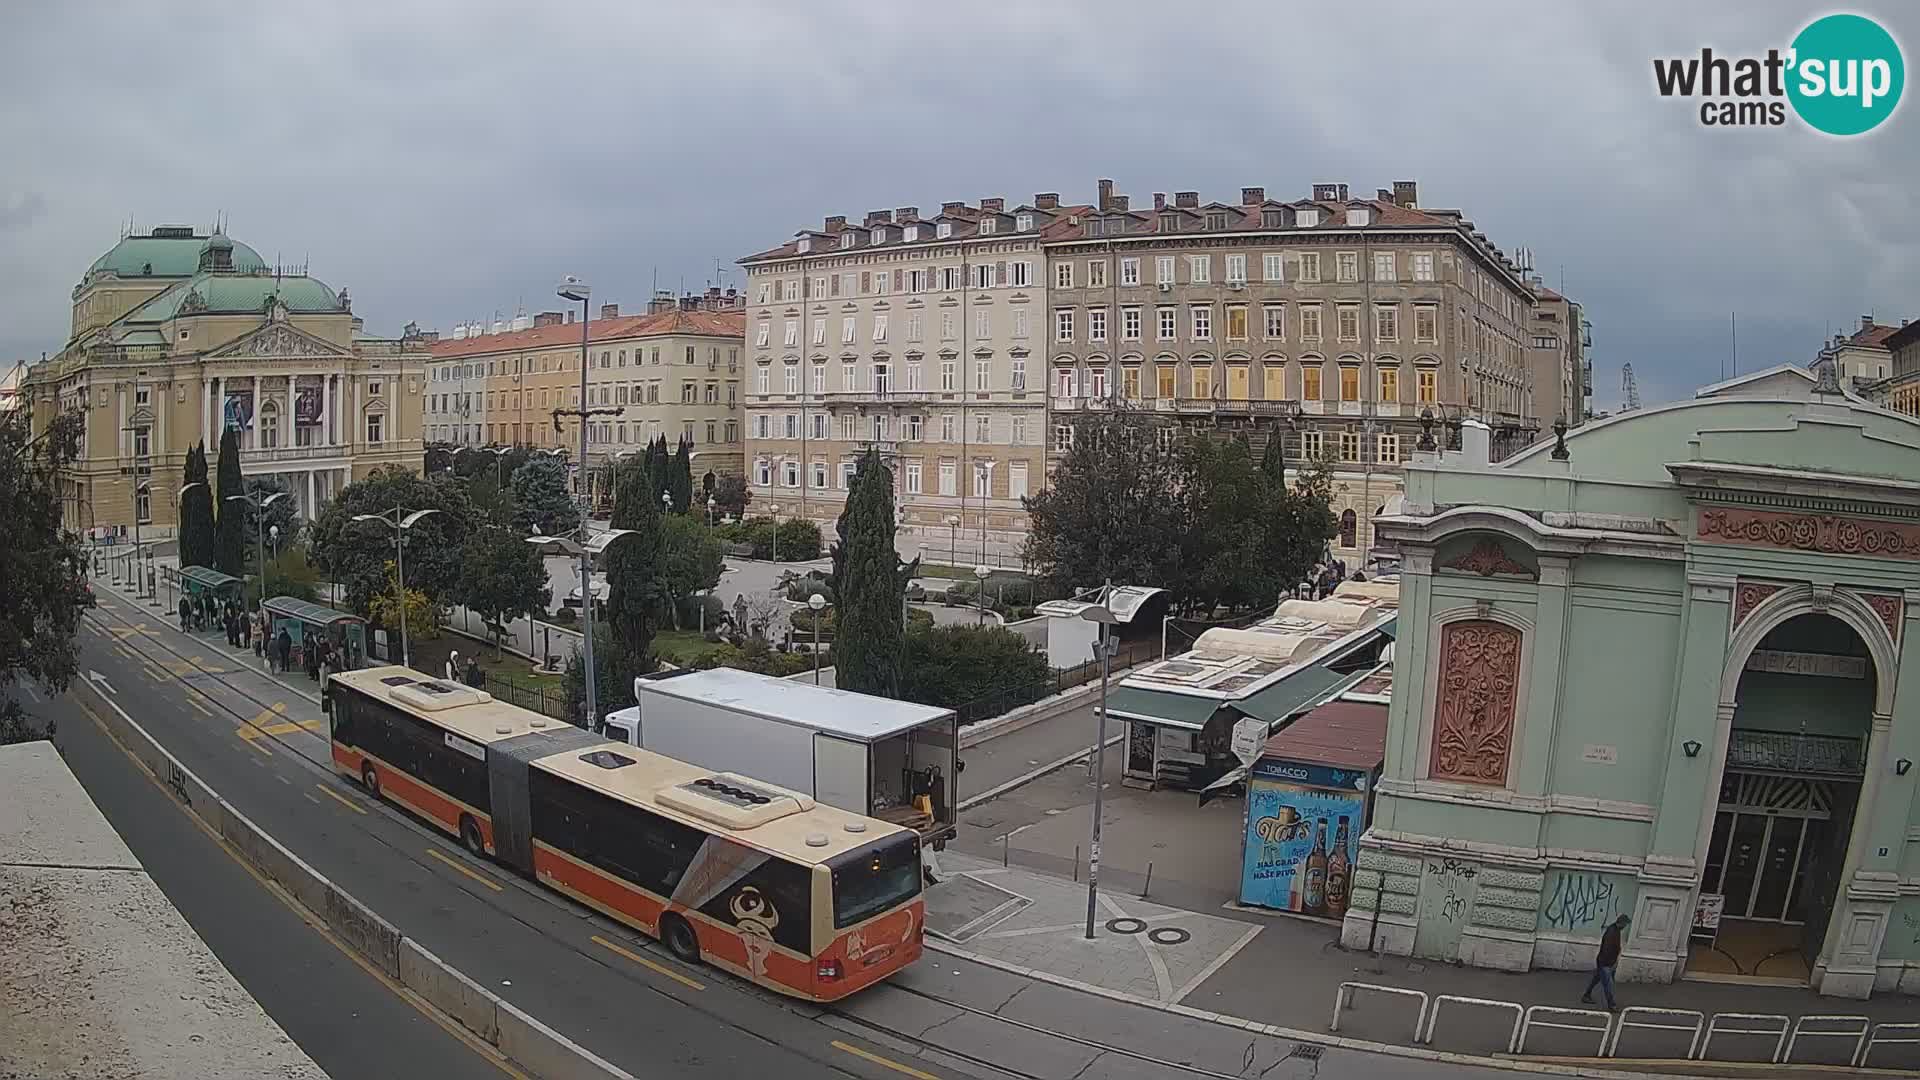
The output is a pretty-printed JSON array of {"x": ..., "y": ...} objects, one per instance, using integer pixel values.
[
  {"x": 370, "y": 779},
  {"x": 470, "y": 836},
  {"x": 678, "y": 936}
]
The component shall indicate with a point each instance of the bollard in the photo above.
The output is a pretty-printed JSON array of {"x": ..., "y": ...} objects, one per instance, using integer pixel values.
[
  {"x": 1148, "y": 887},
  {"x": 1076, "y": 862},
  {"x": 1004, "y": 840}
]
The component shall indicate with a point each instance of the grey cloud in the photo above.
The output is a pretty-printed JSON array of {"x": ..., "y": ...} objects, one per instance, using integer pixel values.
[{"x": 444, "y": 160}]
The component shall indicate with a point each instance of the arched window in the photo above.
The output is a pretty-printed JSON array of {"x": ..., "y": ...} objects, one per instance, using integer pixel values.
[
  {"x": 1349, "y": 528},
  {"x": 269, "y": 426}
]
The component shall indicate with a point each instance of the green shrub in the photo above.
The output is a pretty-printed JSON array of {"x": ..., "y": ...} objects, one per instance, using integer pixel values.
[
  {"x": 952, "y": 665},
  {"x": 799, "y": 540}
]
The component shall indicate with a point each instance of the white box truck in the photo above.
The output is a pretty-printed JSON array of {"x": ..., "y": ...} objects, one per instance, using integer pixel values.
[{"x": 892, "y": 760}]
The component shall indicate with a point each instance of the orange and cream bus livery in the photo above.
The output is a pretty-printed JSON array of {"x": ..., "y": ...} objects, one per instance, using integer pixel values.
[{"x": 760, "y": 881}]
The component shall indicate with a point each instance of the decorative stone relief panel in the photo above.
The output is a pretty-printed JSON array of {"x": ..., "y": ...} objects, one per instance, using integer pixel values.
[
  {"x": 1888, "y": 607},
  {"x": 1826, "y": 533},
  {"x": 1478, "y": 694},
  {"x": 1488, "y": 558},
  {"x": 1749, "y": 595}
]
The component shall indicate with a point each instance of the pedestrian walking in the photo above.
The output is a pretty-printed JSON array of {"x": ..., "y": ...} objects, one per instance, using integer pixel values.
[
  {"x": 246, "y": 629},
  {"x": 453, "y": 666},
  {"x": 1604, "y": 963},
  {"x": 185, "y": 612},
  {"x": 325, "y": 662},
  {"x": 475, "y": 677},
  {"x": 283, "y": 646}
]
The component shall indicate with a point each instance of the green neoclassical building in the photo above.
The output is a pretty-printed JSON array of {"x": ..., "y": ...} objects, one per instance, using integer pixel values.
[{"x": 1662, "y": 670}]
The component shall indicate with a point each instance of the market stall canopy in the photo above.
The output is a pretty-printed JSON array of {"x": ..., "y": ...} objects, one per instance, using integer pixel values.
[
  {"x": 1125, "y": 601},
  {"x": 1339, "y": 735}
]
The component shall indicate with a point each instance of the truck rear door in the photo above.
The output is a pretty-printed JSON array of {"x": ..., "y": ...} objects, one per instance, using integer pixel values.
[{"x": 840, "y": 774}]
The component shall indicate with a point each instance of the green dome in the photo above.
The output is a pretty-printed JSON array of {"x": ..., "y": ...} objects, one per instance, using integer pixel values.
[
  {"x": 174, "y": 253},
  {"x": 235, "y": 294}
]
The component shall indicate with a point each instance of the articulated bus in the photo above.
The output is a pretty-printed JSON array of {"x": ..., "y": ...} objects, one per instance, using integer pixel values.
[{"x": 795, "y": 895}]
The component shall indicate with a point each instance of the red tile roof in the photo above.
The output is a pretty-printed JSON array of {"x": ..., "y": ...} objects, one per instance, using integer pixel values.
[
  {"x": 728, "y": 324},
  {"x": 1877, "y": 334}
]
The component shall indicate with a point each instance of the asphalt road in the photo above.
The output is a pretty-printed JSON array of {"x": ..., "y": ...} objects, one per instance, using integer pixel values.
[
  {"x": 600, "y": 984},
  {"x": 345, "y": 1018}
]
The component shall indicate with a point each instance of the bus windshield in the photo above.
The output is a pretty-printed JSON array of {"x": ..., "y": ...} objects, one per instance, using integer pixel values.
[{"x": 875, "y": 878}]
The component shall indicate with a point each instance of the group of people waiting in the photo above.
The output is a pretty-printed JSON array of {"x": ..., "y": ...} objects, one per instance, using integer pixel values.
[{"x": 246, "y": 629}]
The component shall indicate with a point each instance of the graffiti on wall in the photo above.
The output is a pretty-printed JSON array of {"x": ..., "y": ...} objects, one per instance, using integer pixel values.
[
  {"x": 1582, "y": 901},
  {"x": 1452, "y": 879}
]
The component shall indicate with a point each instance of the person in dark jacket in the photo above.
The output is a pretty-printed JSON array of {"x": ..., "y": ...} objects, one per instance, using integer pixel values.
[
  {"x": 1604, "y": 963},
  {"x": 283, "y": 648},
  {"x": 310, "y": 658},
  {"x": 475, "y": 677},
  {"x": 186, "y": 613}
]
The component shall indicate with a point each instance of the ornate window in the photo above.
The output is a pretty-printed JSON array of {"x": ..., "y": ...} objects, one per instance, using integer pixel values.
[
  {"x": 1349, "y": 528},
  {"x": 1478, "y": 695}
]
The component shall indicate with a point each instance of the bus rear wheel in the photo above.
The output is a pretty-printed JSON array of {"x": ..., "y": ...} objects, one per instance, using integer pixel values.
[
  {"x": 370, "y": 779},
  {"x": 470, "y": 836},
  {"x": 678, "y": 936}
]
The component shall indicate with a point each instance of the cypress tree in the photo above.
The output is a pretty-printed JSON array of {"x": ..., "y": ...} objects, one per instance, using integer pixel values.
[
  {"x": 868, "y": 585},
  {"x": 680, "y": 477},
  {"x": 230, "y": 554},
  {"x": 196, "y": 512},
  {"x": 634, "y": 588}
]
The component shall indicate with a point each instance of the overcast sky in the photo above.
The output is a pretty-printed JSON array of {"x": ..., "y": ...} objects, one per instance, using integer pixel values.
[{"x": 445, "y": 161}]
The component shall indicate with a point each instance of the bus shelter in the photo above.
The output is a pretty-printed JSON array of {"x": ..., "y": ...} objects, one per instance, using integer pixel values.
[
  {"x": 307, "y": 623},
  {"x": 196, "y": 582}
]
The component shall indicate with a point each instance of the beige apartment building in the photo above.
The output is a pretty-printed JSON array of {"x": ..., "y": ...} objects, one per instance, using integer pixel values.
[
  {"x": 1557, "y": 353},
  {"x": 674, "y": 372},
  {"x": 178, "y": 334},
  {"x": 1332, "y": 321},
  {"x": 921, "y": 336}
]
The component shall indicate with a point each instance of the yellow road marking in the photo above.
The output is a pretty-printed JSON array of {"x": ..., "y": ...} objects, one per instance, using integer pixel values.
[
  {"x": 123, "y": 650},
  {"x": 478, "y": 1045},
  {"x": 261, "y": 727},
  {"x": 256, "y": 745},
  {"x": 883, "y": 1061},
  {"x": 474, "y": 874},
  {"x": 337, "y": 797},
  {"x": 651, "y": 965}
]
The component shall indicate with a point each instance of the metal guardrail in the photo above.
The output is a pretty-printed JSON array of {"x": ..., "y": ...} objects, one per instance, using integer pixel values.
[
  {"x": 1780, "y": 1042},
  {"x": 1875, "y": 1039},
  {"x": 1531, "y": 1020},
  {"x": 1626, "y": 1020},
  {"x": 1513, "y": 1037},
  {"x": 1344, "y": 997},
  {"x": 1859, "y": 1035},
  {"x": 1700, "y": 1028}
]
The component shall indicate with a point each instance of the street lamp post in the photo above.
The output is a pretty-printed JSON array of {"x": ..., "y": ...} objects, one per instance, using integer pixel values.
[
  {"x": 260, "y": 532},
  {"x": 179, "y": 499},
  {"x": 982, "y": 573},
  {"x": 574, "y": 289},
  {"x": 816, "y": 602},
  {"x": 953, "y": 539},
  {"x": 399, "y": 525},
  {"x": 774, "y": 510},
  {"x": 591, "y": 544},
  {"x": 711, "y": 505},
  {"x": 1103, "y": 615},
  {"x": 666, "y": 502}
]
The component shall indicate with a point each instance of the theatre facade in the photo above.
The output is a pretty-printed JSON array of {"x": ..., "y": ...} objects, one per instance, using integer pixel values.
[{"x": 1660, "y": 669}]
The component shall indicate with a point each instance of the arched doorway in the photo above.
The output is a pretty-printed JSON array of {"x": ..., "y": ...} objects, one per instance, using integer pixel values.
[{"x": 1796, "y": 757}]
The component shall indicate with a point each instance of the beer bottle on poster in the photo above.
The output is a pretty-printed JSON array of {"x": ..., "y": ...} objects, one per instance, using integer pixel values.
[
  {"x": 1339, "y": 873},
  {"x": 1315, "y": 892}
]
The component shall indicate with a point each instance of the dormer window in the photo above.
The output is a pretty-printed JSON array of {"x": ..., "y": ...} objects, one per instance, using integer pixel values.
[
  {"x": 804, "y": 245},
  {"x": 943, "y": 230},
  {"x": 1169, "y": 223},
  {"x": 912, "y": 233},
  {"x": 846, "y": 240},
  {"x": 1272, "y": 219},
  {"x": 1307, "y": 219},
  {"x": 1360, "y": 215},
  {"x": 878, "y": 236},
  {"x": 1023, "y": 223},
  {"x": 1217, "y": 220},
  {"x": 988, "y": 225}
]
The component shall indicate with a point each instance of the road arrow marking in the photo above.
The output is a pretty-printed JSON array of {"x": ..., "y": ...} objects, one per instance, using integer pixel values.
[{"x": 102, "y": 680}]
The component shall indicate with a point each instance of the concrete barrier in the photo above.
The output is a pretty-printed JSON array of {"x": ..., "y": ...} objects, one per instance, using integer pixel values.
[
  {"x": 531, "y": 1044},
  {"x": 449, "y": 991},
  {"x": 1028, "y": 715},
  {"x": 547, "y": 1052}
]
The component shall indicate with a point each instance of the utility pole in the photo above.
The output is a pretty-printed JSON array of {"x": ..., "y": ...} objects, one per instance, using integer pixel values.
[{"x": 573, "y": 288}]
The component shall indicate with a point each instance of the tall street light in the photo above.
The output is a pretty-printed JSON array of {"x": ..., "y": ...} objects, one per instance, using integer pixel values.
[
  {"x": 260, "y": 534},
  {"x": 982, "y": 572},
  {"x": 594, "y": 545},
  {"x": 711, "y": 506},
  {"x": 179, "y": 524},
  {"x": 774, "y": 510},
  {"x": 953, "y": 539},
  {"x": 572, "y": 288},
  {"x": 392, "y": 519},
  {"x": 816, "y": 602},
  {"x": 1103, "y": 614}
]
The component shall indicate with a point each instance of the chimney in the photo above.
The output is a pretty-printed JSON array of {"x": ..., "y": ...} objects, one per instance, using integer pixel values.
[
  {"x": 609, "y": 311},
  {"x": 1476, "y": 443},
  {"x": 836, "y": 223},
  {"x": 1120, "y": 202},
  {"x": 1047, "y": 200},
  {"x": 995, "y": 205},
  {"x": 1159, "y": 200},
  {"x": 1106, "y": 195},
  {"x": 1406, "y": 193},
  {"x": 907, "y": 215},
  {"x": 548, "y": 318},
  {"x": 569, "y": 316},
  {"x": 1252, "y": 196},
  {"x": 1383, "y": 195},
  {"x": 952, "y": 207},
  {"x": 1187, "y": 199},
  {"x": 1866, "y": 322},
  {"x": 1343, "y": 193},
  {"x": 1326, "y": 192},
  {"x": 689, "y": 303}
]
